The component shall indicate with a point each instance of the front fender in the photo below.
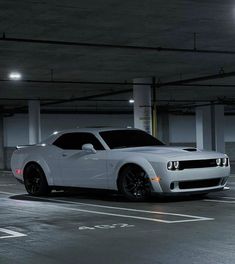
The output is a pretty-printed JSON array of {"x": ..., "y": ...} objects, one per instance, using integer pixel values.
[
  {"x": 144, "y": 164},
  {"x": 46, "y": 169}
]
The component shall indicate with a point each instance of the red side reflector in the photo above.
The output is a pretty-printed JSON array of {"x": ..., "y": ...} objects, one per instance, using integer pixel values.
[{"x": 19, "y": 171}]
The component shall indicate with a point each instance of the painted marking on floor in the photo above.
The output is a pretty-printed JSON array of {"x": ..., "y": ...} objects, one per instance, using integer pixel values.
[
  {"x": 125, "y": 209},
  {"x": 7, "y": 184},
  {"x": 8, "y": 193},
  {"x": 219, "y": 201},
  {"x": 192, "y": 218},
  {"x": 135, "y": 217},
  {"x": 228, "y": 197},
  {"x": 10, "y": 233},
  {"x": 105, "y": 227}
]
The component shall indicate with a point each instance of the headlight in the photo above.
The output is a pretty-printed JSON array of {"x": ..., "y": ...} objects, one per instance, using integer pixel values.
[
  {"x": 176, "y": 165},
  {"x": 170, "y": 165},
  {"x": 223, "y": 162},
  {"x": 173, "y": 165},
  {"x": 218, "y": 162}
]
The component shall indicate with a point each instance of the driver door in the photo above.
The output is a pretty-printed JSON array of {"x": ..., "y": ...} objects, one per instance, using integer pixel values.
[{"x": 80, "y": 168}]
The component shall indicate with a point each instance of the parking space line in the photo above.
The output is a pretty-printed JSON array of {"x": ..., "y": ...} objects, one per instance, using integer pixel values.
[
  {"x": 136, "y": 217},
  {"x": 192, "y": 218},
  {"x": 125, "y": 209},
  {"x": 7, "y": 184},
  {"x": 219, "y": 201},
  {"x": 10, "y": 233},
  {"x": 228, "y": 197},
  {"x": 8, "y": 193}
]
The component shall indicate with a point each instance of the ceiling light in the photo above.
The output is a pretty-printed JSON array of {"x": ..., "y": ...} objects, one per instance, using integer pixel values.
[
  {"x": 131, "y": 101},
  {"x": 15, "y": 76}
]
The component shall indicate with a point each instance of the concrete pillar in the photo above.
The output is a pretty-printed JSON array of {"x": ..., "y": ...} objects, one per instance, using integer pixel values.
[
  {"x": 142, "y": 104},
  {"x": 2, "y": 156},
  {"x": 218, "y": 127},
  {"x": 34, "y": 122},
  {"x": 163, "y": 128},
  {"x": 203, "y": 127}
]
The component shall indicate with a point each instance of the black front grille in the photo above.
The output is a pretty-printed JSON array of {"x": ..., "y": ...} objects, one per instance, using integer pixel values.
[
  {"x": 199, "y": 183},
  {"x": 192, "y": 164}
]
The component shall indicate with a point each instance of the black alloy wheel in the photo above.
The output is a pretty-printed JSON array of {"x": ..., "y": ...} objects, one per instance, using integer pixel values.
[
  {"x": 35, "y": 181},
  {"x": 134, "y": 183}
]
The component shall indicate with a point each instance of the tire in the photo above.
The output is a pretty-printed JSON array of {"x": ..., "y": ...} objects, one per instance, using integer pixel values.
[
  {"x": 35, "y": 180},
  {"x": 134, "y": 183}
]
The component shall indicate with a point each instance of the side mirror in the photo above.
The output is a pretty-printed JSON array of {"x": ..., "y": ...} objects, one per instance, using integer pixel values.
[{"x": 88, "y": 148}]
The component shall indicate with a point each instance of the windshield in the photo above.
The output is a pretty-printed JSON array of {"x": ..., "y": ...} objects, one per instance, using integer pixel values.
[{"x": 129, "y": 139}]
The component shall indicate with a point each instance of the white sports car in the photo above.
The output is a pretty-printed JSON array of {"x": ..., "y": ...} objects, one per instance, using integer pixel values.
[{"x": 127, "y": 160}]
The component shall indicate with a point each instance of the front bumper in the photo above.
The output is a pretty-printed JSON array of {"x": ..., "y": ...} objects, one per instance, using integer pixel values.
[{"x": 198, "y": 180}]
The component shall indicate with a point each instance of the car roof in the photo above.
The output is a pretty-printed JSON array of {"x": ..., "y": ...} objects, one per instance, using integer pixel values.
[{"x": 93, "y": 130}]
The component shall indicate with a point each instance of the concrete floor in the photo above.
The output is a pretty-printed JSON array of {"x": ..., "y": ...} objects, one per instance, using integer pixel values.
[{"x": 95, "y": 228}]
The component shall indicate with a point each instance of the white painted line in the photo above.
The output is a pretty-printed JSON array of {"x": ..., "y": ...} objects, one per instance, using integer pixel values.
[
  {"x": 10, "y": 233},
  {"x": 9, "y": 193},
  {"x": 192, "y": 217},
  {"x": 125, "y": 209},
  {"x": 134, "y": 217},
  {"x": 218, "y": 201},
  {"x": 7, "y": 184},
  {"x": 228, "y": 197}
]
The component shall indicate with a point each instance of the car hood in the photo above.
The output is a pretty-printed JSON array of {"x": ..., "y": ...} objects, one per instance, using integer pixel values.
[{"x": 185, "y": 153}]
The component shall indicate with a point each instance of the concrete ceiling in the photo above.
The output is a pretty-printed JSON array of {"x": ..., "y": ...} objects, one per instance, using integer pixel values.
[{"x": 153, "y": 23}]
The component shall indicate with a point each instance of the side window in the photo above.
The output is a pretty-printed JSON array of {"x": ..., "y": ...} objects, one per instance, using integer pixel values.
[{"x": 76, "y": 140}]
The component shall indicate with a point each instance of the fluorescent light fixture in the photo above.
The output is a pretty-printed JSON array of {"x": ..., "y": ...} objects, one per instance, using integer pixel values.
[
  {"x": 131, "y": 101},
  {"x": 15, "y": 76}
]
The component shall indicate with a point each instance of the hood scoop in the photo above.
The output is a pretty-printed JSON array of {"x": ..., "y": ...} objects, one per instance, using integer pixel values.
[{"x": 190, "y": 149}]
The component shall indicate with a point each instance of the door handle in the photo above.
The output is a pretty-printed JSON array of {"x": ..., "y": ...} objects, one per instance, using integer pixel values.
[{"x": 64, "y": 155}]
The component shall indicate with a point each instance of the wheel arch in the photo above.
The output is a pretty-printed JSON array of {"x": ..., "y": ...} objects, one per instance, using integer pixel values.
[
  {"x": 122, "y": 168},
  {"x": 43, "y": 167},
  {"x": 142, "y": 163},
  {"x": 29, "y": 163}
]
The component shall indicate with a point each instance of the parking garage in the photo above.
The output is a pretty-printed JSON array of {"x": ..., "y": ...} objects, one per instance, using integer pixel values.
[{"x": 164, "y": 68}]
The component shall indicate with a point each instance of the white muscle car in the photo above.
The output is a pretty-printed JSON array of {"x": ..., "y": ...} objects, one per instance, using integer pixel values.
[{"x": 127, "y": 160}]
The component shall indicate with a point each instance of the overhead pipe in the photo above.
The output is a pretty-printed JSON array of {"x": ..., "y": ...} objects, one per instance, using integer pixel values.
[
  {"x": 183, "y": 82},
  {"x": 172, "y": 83},
  {"x": 160, "y": 107},
  {"x": 221, "y": 74},
  {"x": 113, "y": 46},
  {"x": 111, "y": 100},
  {"x": 10, "y": 112}
]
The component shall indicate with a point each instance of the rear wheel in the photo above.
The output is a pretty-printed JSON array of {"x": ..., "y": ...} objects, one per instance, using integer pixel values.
[
  {"x": 35, "y": 180},
  {"x": 134, "y": 183}
]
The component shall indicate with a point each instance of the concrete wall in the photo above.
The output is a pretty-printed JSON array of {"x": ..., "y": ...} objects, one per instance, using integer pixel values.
[
  {"x": 183, "y": 132},
  {"x": 16, "y": 127}
]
